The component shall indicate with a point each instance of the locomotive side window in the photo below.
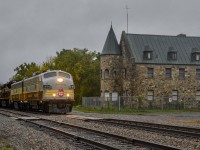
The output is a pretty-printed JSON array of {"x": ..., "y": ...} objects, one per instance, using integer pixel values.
[
  {"x": 47, "y": 87},
  {"x": 50, "y": 74},
  {"x": 63, "y": 74}
]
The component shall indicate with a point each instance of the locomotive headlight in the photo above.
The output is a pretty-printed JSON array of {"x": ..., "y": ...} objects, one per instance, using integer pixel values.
[
  {"x": 67, "y": 94},
  {"x": 54, "y": 95},
  {"x": 60, "y": 79}
]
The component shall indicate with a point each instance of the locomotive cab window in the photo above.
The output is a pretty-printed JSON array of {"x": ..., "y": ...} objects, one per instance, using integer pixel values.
[
  {"x": 63, "y": 74},
  {"x": 50, "y": 74}
]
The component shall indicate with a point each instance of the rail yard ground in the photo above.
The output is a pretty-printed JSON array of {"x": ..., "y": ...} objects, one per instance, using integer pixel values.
[{"x": 18, "y": 135}]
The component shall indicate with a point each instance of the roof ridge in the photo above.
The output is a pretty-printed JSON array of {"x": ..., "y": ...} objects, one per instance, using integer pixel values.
[{"x": 162, "y": 35}]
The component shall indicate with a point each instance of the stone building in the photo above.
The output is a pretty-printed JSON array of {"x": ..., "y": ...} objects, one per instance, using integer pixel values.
[{"x": 151, "y": 66}]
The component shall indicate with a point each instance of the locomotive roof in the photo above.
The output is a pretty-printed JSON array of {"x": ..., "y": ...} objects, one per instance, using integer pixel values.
[{"x": 39, "y": 75}]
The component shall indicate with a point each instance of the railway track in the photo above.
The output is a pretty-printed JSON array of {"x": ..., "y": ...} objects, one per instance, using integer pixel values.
[
  {"x": 88, "y": 138},
  {"x": 153, "y": 127}
]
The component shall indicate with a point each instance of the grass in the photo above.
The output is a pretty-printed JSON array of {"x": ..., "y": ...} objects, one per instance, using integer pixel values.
[
  {"x": 127, "y": 111},
  {"x": 4, "y": 145}
]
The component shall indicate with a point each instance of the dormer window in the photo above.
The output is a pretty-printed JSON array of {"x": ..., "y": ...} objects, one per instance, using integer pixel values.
[
  {"x": 147, "y": 53},
  {"x": 195, "y": 55},
  {"x": 172, "y": 54}
]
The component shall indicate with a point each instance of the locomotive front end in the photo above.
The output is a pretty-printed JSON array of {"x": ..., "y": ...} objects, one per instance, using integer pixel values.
[{"x": 58, "y": 91}]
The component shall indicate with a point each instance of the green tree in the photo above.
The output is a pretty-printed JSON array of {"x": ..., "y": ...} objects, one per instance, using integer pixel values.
[
  {"x": 25, "y": 70},
  {"x": 84, "y": 67},
  {"x": 49, "y": 64}
]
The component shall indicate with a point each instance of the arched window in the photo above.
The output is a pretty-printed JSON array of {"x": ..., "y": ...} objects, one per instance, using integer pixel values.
[
  {"x": 114, "y": 74},
  {"x": 106, "y": 74}
]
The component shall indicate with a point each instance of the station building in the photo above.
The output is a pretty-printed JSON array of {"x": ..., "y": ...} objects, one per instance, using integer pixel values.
[{"x": 151, "y": 66}]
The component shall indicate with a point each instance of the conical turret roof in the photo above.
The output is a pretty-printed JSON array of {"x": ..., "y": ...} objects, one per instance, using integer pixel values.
[{"x": 111, "y": 45}]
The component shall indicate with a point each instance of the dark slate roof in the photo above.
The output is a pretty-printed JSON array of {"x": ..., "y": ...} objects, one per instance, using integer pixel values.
[
  {"x": 160, "y": 45},
  {"x": 111, "y": 45}
]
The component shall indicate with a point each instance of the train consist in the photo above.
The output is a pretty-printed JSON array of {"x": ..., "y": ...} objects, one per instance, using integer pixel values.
[{"x": 51, "y": 91}]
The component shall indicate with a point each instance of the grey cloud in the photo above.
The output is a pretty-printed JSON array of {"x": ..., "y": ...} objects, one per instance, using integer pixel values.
[{"x": 34, "y": 30}]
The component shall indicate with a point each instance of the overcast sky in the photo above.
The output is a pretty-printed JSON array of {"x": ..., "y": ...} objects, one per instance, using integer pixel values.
[{"x": 33, "y": 30}]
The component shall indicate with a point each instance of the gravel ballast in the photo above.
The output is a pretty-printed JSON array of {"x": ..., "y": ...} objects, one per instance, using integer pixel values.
[{"x": 24, "y": 137}]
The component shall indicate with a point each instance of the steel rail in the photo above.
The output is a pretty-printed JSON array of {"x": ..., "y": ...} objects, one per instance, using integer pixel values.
[
  {"x": 67, "y": 134},
  {"x": 185, "y": 131},
  {"x": 134, "y": 141}
]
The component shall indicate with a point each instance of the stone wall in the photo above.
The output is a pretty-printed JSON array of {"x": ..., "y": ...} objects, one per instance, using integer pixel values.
[
  {"x": 163, "y": 86},
  {"x": 127, "y": 68},
  {"x": 112, "y": 83}
]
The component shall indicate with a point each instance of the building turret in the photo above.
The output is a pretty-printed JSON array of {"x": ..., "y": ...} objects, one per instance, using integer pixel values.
[
  {"x": 111, "y": 46},
  {"x": 111, "y": 67}
]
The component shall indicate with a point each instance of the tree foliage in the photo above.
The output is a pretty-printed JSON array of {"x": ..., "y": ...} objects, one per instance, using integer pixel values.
[
  {"x": 25, "y": 70},
  {"x": 84, "y": 66}
]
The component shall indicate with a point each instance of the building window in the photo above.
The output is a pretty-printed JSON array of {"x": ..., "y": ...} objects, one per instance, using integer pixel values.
[
  {"x": 150, "y": 72},
  {"x": 150, "y": 95},
  {"x": 114, "y": 96},
  {"x": 198, "y": 73},
  {"x": 106, "y": 74},
  {"x": 172, "y": 56},
  {"x": 195, "y": 56},
  {"x": 181, "y": 73},
  {"x": 174, "y": 95},
  {"x": 168, "y": 72},
  {"x": 124, "y": 73},
  {"x": 198, "y": 95},
  {"x": 147, "y": 55},
  {"x": 114, "y": 74}
]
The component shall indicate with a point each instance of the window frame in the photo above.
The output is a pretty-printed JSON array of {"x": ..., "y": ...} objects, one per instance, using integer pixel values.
[
  {"x": 168, "y": 73},
  {"x": 150, "y": 72},
  {"x": 198, "y": 73},
  {"x": 172, "y": 56},
  {"x": 147, "y": 55},
  {"x": 195, "y": 56},
  {"x": 181, "y": 73},
  {"x": 175, "y": 95},
  {"x": 124, "y": 73},
  {"x": 64, "y": 75},
  {"x": 106, "y": 74},
  {"x": 52, "y": 74},
  {"x": 197, "y": 95},
  {"x": 150, "y": 95}
]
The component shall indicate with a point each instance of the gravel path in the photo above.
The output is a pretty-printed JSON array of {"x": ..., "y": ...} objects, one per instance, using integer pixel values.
[{"x": 24, "y": 137}]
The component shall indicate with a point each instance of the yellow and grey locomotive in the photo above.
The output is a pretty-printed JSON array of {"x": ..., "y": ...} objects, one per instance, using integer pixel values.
[{"x": 51, "y": 91}]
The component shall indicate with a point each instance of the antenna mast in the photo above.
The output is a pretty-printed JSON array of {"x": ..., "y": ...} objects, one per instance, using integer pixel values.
[{"x": 127, "y": 16}]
